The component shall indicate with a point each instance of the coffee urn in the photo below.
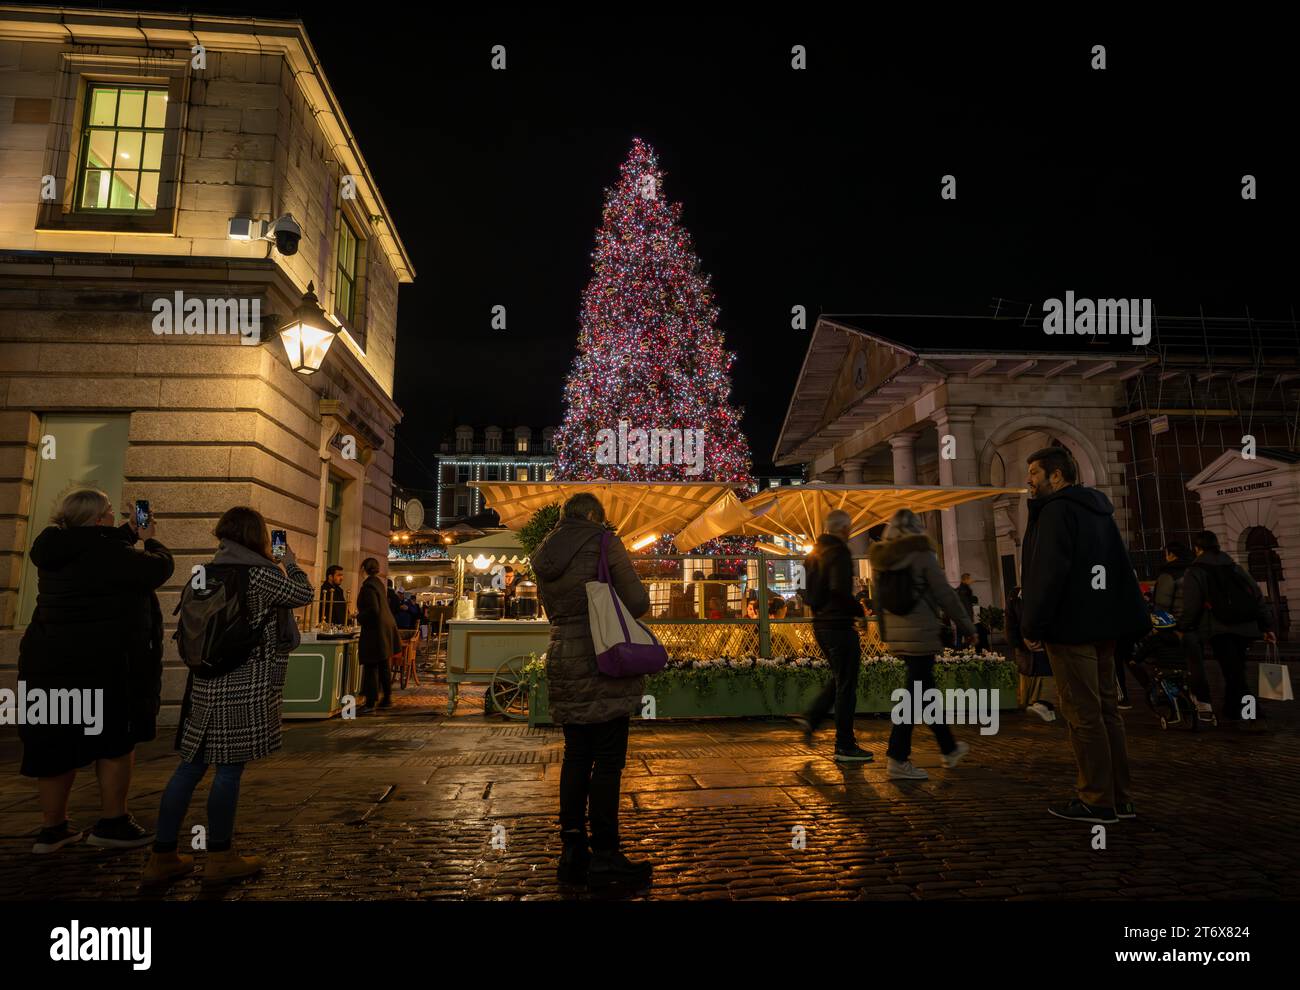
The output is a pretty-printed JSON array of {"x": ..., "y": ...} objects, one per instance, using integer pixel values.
[{"x": 526, "y": 600}]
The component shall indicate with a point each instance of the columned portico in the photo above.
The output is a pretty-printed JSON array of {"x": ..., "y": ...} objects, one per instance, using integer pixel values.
[
  {"x": 966, "y": 527},
  {"x": 903, "y": 448}
]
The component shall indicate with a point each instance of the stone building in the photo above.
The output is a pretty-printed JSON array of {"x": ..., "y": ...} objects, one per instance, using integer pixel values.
[
  {"x": 140, "y": 156},
  {"x": 487, "y": 454},
  {"x": 955, "y": 400}
]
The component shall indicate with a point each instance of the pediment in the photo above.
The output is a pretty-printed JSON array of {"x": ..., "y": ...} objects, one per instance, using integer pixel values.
[{"x": 1230, "y": 466}]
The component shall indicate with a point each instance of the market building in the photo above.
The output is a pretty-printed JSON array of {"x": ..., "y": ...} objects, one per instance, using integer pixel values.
[
  {"x": 957, "y": 400},
  {"x": 144, "y": 156}
]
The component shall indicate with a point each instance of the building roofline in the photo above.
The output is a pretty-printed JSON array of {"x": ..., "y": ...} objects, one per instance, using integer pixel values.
[{"x": 83, "y": 26}]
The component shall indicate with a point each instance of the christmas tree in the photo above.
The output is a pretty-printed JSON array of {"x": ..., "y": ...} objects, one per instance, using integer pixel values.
[{"x": 647, "y": 397}]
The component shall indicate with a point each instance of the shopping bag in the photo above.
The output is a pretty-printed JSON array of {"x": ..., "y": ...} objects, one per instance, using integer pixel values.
[
  {"x": 1274, "y": 678},
  {"x": 624, "y": 647}
]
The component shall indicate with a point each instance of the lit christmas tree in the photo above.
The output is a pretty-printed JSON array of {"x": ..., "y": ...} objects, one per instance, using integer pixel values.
[{"x": 647, "y": 397}]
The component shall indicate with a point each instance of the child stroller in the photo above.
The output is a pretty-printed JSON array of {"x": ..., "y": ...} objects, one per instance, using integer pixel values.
[{"x": 1167, "y": 684}]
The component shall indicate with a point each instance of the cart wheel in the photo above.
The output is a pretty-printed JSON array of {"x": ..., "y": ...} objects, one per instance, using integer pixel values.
[{"x": 506, "y": 694}]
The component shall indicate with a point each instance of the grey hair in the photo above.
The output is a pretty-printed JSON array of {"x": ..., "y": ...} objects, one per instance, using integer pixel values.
[
  {"x": 838, "y": 521},
  {"x": 81, "y": 507}
]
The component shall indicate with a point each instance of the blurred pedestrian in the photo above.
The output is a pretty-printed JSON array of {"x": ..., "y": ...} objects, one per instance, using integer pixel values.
[{"x": 380, "y": 638}]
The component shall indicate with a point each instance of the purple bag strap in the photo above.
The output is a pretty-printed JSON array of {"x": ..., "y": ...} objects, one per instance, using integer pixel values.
[{"x": 603, "y": 575}]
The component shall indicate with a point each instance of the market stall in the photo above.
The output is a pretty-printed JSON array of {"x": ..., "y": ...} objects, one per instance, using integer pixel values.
[
  {"x": 738, "y": 635},
  {"x": 322, "y": 671}
]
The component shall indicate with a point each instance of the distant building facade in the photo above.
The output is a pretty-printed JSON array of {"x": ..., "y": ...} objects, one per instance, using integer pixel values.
[
  {"x": 488, "y": 453},
  {"x": 1154, "y": 427}
]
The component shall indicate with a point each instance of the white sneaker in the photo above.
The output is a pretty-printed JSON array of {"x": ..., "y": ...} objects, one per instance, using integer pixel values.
[
  {"x": 1042, "y": 711},
  {"x": 1203, "y": 708},
  {"x": 906, "y": 771},
  {"x": 950, "y": 760}
]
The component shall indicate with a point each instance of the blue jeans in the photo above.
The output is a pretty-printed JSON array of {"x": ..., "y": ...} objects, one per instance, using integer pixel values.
[{"x": 223, "y": 798}]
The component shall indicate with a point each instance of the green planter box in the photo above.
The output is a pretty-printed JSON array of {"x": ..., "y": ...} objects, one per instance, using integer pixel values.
[{"x": 737, "y": 693}]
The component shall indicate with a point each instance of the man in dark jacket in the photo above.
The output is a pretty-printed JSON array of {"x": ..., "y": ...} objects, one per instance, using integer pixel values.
[
  {"x": 1229, "y": 634},
  {"x": 379, "y": 637},
  {"x": 1080, "y": 595},
  {"x": 333, "y": 599},
  {"x": 594, "y": 708},
  {"x": 828, "y": 571}
]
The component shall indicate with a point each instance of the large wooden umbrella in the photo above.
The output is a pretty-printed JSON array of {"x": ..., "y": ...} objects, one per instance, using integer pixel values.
[
  {"x": 802, "y": 509},
  {"x": 634, "y": 508}
]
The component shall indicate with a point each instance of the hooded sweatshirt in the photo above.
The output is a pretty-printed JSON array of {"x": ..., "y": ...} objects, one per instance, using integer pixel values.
[{"x": 1079, "y": 586}]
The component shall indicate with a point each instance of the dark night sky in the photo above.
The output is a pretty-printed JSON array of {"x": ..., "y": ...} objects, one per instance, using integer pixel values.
[{"x": 818, "y": 188}]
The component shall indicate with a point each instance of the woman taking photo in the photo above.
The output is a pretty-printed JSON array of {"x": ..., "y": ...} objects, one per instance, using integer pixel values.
[
  {"x": 233, "y": 718},
  {"x": 97, "y": 627}
]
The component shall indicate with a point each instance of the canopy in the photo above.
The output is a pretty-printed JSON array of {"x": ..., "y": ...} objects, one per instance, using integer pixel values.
[
  {"x": 501, "y": 547},
  {"x": 634, "y": 508},
  {"x": 794, "y": 509}
]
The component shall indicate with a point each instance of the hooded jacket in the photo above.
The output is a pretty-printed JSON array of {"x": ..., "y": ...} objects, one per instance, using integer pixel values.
[
  {"x": 1197, "y": 613},
  {"x": 917, "y": 633},
  {"x": 97, "y": 625},
  {"x": 570, "y": 557},
  {"x": 828, "y": 571},
  {"x": 1070, "y": 534}
]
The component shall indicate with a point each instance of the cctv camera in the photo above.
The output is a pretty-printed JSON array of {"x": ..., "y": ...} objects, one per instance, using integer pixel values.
[{"x": 287, "y": 234}]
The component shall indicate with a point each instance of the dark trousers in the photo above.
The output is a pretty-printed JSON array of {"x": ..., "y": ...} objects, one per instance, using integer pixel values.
[
  {"x": 1194, "y": 650},
  {"x": 919, "y": 669},
  {"x": 842, "y": 648},
  {"x": 590, "y": 777},
  {"x": 1230, "y": 652},
  {"x": 376, "y": 677}
]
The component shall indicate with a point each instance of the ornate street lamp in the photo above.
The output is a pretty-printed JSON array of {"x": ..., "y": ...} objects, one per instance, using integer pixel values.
[{"x": 308, "y": 335}]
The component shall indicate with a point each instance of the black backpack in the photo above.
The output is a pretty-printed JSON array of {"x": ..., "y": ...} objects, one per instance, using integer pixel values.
[
  {"x": 895, "y": 591},
  {"x": 214, "y": 635},
  {"x": 1233, "y": 596}
]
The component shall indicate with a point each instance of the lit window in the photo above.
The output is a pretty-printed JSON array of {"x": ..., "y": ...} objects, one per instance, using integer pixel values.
[
  {"x": 521, "y": 474},
  {"x": 550, "y": 473},
  {"x": 122, "y": 146},
  {"x": 345, "y": 288},
  {"x": 521, "y": 445}
]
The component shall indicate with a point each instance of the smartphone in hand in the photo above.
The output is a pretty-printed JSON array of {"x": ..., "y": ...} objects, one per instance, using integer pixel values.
[
  {"x": 142, "y": 513},
  {"x": 279, "y": 544}
]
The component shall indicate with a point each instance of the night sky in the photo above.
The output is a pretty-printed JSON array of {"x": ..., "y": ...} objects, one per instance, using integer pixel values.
[{"x": 818, "y": 188}]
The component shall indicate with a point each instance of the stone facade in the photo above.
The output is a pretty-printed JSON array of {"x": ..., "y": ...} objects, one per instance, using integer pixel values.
[{"x": 207, "y": 421}]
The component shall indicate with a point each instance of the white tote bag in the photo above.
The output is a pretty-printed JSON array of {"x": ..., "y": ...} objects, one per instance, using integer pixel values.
[
  {"x": 1274, "y": 678},
  {"x": 624, "y": 647}
]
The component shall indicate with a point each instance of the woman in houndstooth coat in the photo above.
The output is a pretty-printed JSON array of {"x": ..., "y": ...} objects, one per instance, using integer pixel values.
[{"x": 234, "y": 718}]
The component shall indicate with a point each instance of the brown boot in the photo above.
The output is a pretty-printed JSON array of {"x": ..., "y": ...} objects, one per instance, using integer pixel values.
[
  {"x": 229, "y": 866},
  {"x": 163, "y": 868}
]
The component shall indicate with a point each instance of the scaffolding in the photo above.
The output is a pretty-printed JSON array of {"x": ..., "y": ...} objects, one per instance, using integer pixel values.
[{"x": 1214, "y": 382}]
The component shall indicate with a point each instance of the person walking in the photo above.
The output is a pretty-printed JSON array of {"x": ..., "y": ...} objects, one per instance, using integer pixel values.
[
  {"x": 1080, "y": 596},
  {"x": 232, "y": 719},
  {"x": 1036, "y": 681},
  {"x": 1168, "y": 597},
  {"x": 966, "y": 595},
  {"x": 380, "y": 638},
  {"x": 333, "y": 599},
  {"x": 97, "y": 627},
  {"x": 594, "y": 709},
  {"x": 912, "y": 593},
  {"x": 828, "y": 573},
  {"x": 1223, "y": 605}
]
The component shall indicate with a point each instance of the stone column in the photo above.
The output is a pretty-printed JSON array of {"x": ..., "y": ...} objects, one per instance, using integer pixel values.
[
  {"x": 903, "y": 446},
  {"x": 965, "y": 527},
  {"x": 858, "y": 544}
]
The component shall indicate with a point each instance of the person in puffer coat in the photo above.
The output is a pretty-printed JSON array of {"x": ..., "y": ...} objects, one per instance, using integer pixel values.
[
  {"x": 594, "y": 709},
  {"x": 915, "y": 636}
]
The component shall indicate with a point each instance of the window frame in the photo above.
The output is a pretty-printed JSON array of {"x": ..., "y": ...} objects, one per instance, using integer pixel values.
[
  {"x": 354, "y": 277},
  {"x": 82, "y": 165}
]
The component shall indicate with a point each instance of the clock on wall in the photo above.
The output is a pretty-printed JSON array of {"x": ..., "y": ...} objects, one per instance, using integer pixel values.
[
  {"x": 860, "y": 370},
  {"x": 413, "y": 514}
]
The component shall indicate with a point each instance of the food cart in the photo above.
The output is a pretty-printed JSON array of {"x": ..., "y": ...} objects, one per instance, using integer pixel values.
[{"x": 489, "y": 651}]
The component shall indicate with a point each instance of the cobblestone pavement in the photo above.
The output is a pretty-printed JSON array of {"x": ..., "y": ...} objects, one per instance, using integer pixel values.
[{"x": 407, "y": 804}]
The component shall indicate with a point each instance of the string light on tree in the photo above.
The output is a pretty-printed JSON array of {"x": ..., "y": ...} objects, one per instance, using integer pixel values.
[{"x": 650, "y": 352}]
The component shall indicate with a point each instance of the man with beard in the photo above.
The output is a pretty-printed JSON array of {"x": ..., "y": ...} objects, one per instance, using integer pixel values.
[{"x": 1080, "y": 596}]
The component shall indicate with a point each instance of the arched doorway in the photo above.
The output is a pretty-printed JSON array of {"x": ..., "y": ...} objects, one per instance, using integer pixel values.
[{"x": 1265, "y": 566}]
